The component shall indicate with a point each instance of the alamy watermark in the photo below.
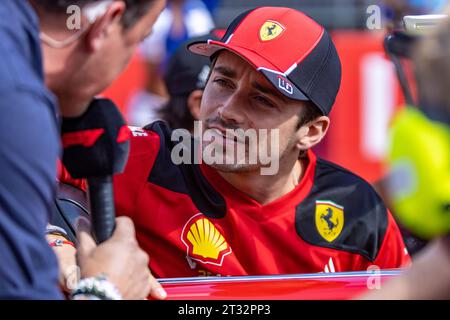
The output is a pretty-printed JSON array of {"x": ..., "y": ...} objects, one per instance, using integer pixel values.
[
  {"x": 72, "y": 276},
  {"x": 73, "y": 21},
  {"x": 236, "y": 148},
  {"x": 374, "y": 19},
  {"x": 233, "y": 149},
  {"x": 373, "y": 281}
]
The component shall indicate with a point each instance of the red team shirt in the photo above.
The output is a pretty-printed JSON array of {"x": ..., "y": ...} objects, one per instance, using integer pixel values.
[{"x": 194, "y": 223}]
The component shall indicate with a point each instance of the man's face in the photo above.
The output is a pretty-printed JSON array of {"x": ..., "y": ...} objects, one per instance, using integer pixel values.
[
  {"x": 86, "y": 68},
  {"x": 119, "y": 47},
  {"x": 239, "y": 97}
]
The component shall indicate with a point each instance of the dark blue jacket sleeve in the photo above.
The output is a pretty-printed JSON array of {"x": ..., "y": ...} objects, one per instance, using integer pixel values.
[{"x": 29, "y": 149}]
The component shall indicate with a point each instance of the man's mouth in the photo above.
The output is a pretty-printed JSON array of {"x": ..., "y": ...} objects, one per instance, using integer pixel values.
[{"x": 228, "y": 135}]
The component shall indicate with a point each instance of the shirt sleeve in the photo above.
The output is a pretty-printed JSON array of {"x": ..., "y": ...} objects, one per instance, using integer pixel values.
[
  {"x": 393, "y": 252},
  {"x": 28, "y": 154},
  {"x": 144, "y": 149}
]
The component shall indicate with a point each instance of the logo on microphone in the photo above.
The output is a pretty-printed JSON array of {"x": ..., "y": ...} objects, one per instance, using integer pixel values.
[{"x": 138, "y": 132}]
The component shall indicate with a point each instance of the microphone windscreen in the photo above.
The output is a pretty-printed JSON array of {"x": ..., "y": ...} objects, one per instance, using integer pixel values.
[{"x": 96, "y": 144}]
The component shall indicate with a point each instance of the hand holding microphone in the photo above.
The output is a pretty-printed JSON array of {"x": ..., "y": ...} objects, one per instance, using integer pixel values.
[{"x": 95, "y": 148}]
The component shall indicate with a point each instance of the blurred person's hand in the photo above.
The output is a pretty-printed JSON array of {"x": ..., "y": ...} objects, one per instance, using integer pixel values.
[
  {"x": 120, "y": 259},
  {"x": 68, "y": 269}
]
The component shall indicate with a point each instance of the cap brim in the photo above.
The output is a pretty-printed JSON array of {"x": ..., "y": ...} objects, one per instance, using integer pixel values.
[{"x": 279, "y": 80}]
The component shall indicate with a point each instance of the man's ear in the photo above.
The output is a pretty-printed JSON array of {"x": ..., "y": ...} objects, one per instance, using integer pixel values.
[
  {"x": 311, "y": 133},
  {"x": 194, "y": 101},
  {"x": 101, "y": 28}
]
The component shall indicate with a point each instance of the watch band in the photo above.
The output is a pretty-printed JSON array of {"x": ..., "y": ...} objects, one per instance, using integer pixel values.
[{"x": 51, "y": 229}]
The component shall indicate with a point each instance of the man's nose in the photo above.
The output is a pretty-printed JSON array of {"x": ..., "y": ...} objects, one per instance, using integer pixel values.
[{"x": 232, "y": 111}]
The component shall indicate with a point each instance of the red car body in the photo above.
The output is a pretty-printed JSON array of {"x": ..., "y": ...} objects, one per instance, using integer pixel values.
[{"x": 320, "y": 286}]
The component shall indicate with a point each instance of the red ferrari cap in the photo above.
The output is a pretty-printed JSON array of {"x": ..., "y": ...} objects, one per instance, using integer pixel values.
[{"x": 290, "y": 49}]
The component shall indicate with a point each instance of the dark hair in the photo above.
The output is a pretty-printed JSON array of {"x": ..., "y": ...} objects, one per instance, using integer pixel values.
[
  {"x": 308, "y": 114},
  {"x": 177, "y": 114},
  {"x": 134, "y": 11}
]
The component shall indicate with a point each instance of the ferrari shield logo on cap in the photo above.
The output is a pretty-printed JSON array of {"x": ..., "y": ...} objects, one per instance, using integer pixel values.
[
  {"x": 329, "y": 219},
  {"x": 270, "y": 30}
]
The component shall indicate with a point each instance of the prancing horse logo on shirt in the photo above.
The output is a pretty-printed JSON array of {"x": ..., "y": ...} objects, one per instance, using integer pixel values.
[
  {"x": 329, "y": 219},
  {"x": 204, "y": 242}
]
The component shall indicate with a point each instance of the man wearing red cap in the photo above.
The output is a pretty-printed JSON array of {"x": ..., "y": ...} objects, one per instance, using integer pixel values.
[{"x": 276, "y": 70}]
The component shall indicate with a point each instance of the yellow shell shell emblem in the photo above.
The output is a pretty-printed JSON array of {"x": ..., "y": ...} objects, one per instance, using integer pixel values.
[
  {"x": 204, "y": 241},
  {"x": 270, "y": 30},
  {"x": 329, "y": 219}
]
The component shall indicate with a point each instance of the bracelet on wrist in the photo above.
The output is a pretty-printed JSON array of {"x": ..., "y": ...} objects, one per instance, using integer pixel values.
[
  {"x": 60, "y": 243},
  {"x": 98, "y": 287}
]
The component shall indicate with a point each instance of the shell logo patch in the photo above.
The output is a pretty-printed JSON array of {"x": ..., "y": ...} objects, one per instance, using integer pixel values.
[
  {"x": 270, "y": 30},
  {"x": 204, "y": 242},
  {"x": 329, "y": 219}
]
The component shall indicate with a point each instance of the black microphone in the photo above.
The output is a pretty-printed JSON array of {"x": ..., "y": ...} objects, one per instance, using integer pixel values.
[{"x": 96, "y": 147}]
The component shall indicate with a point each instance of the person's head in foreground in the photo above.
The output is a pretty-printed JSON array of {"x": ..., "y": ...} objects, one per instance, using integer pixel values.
[
  {"x": 264, "y": 76},
  {"x": 88, "y": 43}
]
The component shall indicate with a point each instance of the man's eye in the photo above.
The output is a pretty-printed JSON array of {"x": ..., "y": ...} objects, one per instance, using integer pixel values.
[
  {"x": 222, "y": 82},
  {"x": 264, "y": 101}
]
